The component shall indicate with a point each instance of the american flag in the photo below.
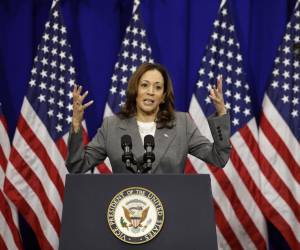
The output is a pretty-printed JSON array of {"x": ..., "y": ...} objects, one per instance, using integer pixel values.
[
  {"x": 9, "y": 231},
  {"x": 279, "y": 136},
  {"x": 36, "y": 169},
  {"x": 236, "y": 188},
  {"x": 134, "y": 51}
]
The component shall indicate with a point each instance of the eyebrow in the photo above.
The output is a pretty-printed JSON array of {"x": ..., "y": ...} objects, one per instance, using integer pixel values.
[{"x": 148, "y": 81}]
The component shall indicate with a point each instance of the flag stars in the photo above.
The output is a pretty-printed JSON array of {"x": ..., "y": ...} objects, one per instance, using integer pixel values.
[
  {"x": 61, "y": 79},
  {"x": 133, "y": 57},
  {"x": 42, "y": 98},
  {"x": 247, "y": 99},
  {"x": 124, "y": 67},
  {"x": 143, "y": 59},
  {"x": 62, "y": 55},
  {"x": 135, "y": 17},
  {"x": 59, "y": 116},
  {"x": 286, "y": 50},
  {"x": 33, "y": 71},
  {"x": 32, "y": 83},
  {"x": 200, "y": 84},
  {"x": 124, "y": 79},
  {"x": 46, "y": 37},
  {"x": 50, "y": 113},
  {"x": 275, "y": 84},
  {"x": 294, "y": 113},
  {"x": 63, "y": 30},
  {"x": 70, "y": 107},
  {"x": 285, "y": 99},
  {"x": 69, "y": 119},
  {"x": 286, "y": 62},
  {"x": 45, "y": 49},
  {"x": 296, "y": 89},
  {"x": 296, "y": 64},
  {"x": 237, "y": 96},
  {"x": 114, "y": 78},
  {"x": 44, "y": 73},
  {"x": 295, "y": 101},
  {"x": 43, "y": 86},
  {"x": 125, "y": 54},
  {"x": 125, "y": 42},
  {"x": 44, "y": 61},
  {"x": 143, "y": 33},
  {"x": 286, "y": 74},
  {"x": 54, "y": 39},
  {"x": 54, "y": 51},
  {"x": 113, "y": 90},
  {"x": 72, "y": 70},
  {"x": 134, "y": 43},
  {"x": 246, "y": 112},
  {"x": 235, "y": 122},
  {"x": 51, "y": 100},
  {"x": 285, "y": 86},
  {"x": 236, "y": 109},
  {"x": 62, "y": 67},
  {"x": 207, "y": 100},
  {"x": 213, "y": 49},
  {"x": 296, "y": 76},
  {"x": 214, "y": 36},
  {"x": 52, "y": 88},
  {"x": 201, "y": 71},
  {"x": 58, "y": 128},
  {"x": 60, "y": 103},
  {"x": 122, "y": 92},
  {"x": 55, "y": 26},
  {"x": 71, "y": 82},
  {"x": 275, "y": 72},
  {"x": 133, "y": 69},
  {"x": 62, "y": 42},
  {"x": 228, "y": 93},
  {"x": 53, "y": 64},
  {"x": 61, "y": 91}
]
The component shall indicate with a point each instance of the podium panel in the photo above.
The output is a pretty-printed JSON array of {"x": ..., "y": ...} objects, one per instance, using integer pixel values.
[{"x": 189, "y": 222}]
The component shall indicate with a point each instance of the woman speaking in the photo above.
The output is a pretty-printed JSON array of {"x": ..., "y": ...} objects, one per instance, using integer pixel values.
[{"x": 148, "y": 111}]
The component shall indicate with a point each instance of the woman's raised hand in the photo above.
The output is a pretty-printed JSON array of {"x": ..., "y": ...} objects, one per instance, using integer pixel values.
[
  {"x": 216, "y": 95},
  {"x": 79, "y": 107}
]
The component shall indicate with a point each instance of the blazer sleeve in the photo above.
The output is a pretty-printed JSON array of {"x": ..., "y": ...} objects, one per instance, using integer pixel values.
[
  {"x": 82, "y": 158},
  {"x": 216, "y": 153}
]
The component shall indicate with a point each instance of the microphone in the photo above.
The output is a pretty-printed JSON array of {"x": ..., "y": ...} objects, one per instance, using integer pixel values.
[
  {"x": 127, "y": 156},
  {"x": 149, "y": 156}
]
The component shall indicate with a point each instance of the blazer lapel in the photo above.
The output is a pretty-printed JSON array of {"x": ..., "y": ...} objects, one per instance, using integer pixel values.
[{"x": 163, "y": 138}]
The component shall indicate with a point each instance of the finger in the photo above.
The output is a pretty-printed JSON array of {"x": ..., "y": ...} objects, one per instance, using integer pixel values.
[
  {"x": 84, "y": 95},
  {"x": 88, "y": 104},
  {"x": 219, "y": 84}
]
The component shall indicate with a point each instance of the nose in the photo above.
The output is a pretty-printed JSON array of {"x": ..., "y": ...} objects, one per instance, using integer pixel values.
[{"x": 151, "y": 90}]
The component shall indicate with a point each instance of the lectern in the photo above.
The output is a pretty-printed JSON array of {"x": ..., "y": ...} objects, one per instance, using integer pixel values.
[{"x": 186, "y": 221}]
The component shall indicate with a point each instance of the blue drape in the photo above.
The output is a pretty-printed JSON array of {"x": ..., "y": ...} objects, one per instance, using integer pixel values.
[{"x": 178, "y": 31}]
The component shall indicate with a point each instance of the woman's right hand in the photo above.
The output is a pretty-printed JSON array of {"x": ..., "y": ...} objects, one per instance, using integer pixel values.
[{"x": 79, "y": 107}]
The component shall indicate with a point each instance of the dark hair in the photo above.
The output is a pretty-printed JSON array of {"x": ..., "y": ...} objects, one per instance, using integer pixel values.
[{"x": 165, "y": 115}]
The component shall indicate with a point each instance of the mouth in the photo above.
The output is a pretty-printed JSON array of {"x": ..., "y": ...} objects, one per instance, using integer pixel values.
[{"x": 148, "y": 101}]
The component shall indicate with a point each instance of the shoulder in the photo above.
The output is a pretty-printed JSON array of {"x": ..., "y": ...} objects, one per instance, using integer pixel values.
[
  {"x": 182, "y": 118},
  {"x": 110, "y": 121}
]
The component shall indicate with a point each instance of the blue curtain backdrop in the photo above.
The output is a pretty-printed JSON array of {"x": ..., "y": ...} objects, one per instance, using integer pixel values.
[{"x": 178, "y": 31}]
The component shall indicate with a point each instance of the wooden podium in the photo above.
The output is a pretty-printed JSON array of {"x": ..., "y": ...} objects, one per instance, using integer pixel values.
[{"x": 189, "y": 222}]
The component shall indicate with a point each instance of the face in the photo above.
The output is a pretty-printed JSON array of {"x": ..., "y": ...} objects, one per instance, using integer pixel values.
[{"x": 150, "y": 93}]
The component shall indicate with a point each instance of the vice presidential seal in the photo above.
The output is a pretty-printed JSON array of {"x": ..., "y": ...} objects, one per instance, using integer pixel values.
[{"x": 135, "y": 215}]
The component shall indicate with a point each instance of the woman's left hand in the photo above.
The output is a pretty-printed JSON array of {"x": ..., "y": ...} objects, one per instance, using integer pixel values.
[{"x": 216, "y": 95}]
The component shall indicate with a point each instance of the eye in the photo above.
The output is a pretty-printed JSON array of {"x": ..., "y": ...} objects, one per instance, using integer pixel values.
[
  {"x": 143, "y": 84},
  {"x": 158, "y": 87}
]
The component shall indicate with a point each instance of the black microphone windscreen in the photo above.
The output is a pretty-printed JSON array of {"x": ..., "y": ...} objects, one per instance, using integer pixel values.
[
  {"x": 126, "y": 141},
  {"x": 149, "y": 141}
]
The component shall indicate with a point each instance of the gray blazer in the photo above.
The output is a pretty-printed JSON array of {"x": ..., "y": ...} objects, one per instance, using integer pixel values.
[{"x": 171, "y": 145}]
